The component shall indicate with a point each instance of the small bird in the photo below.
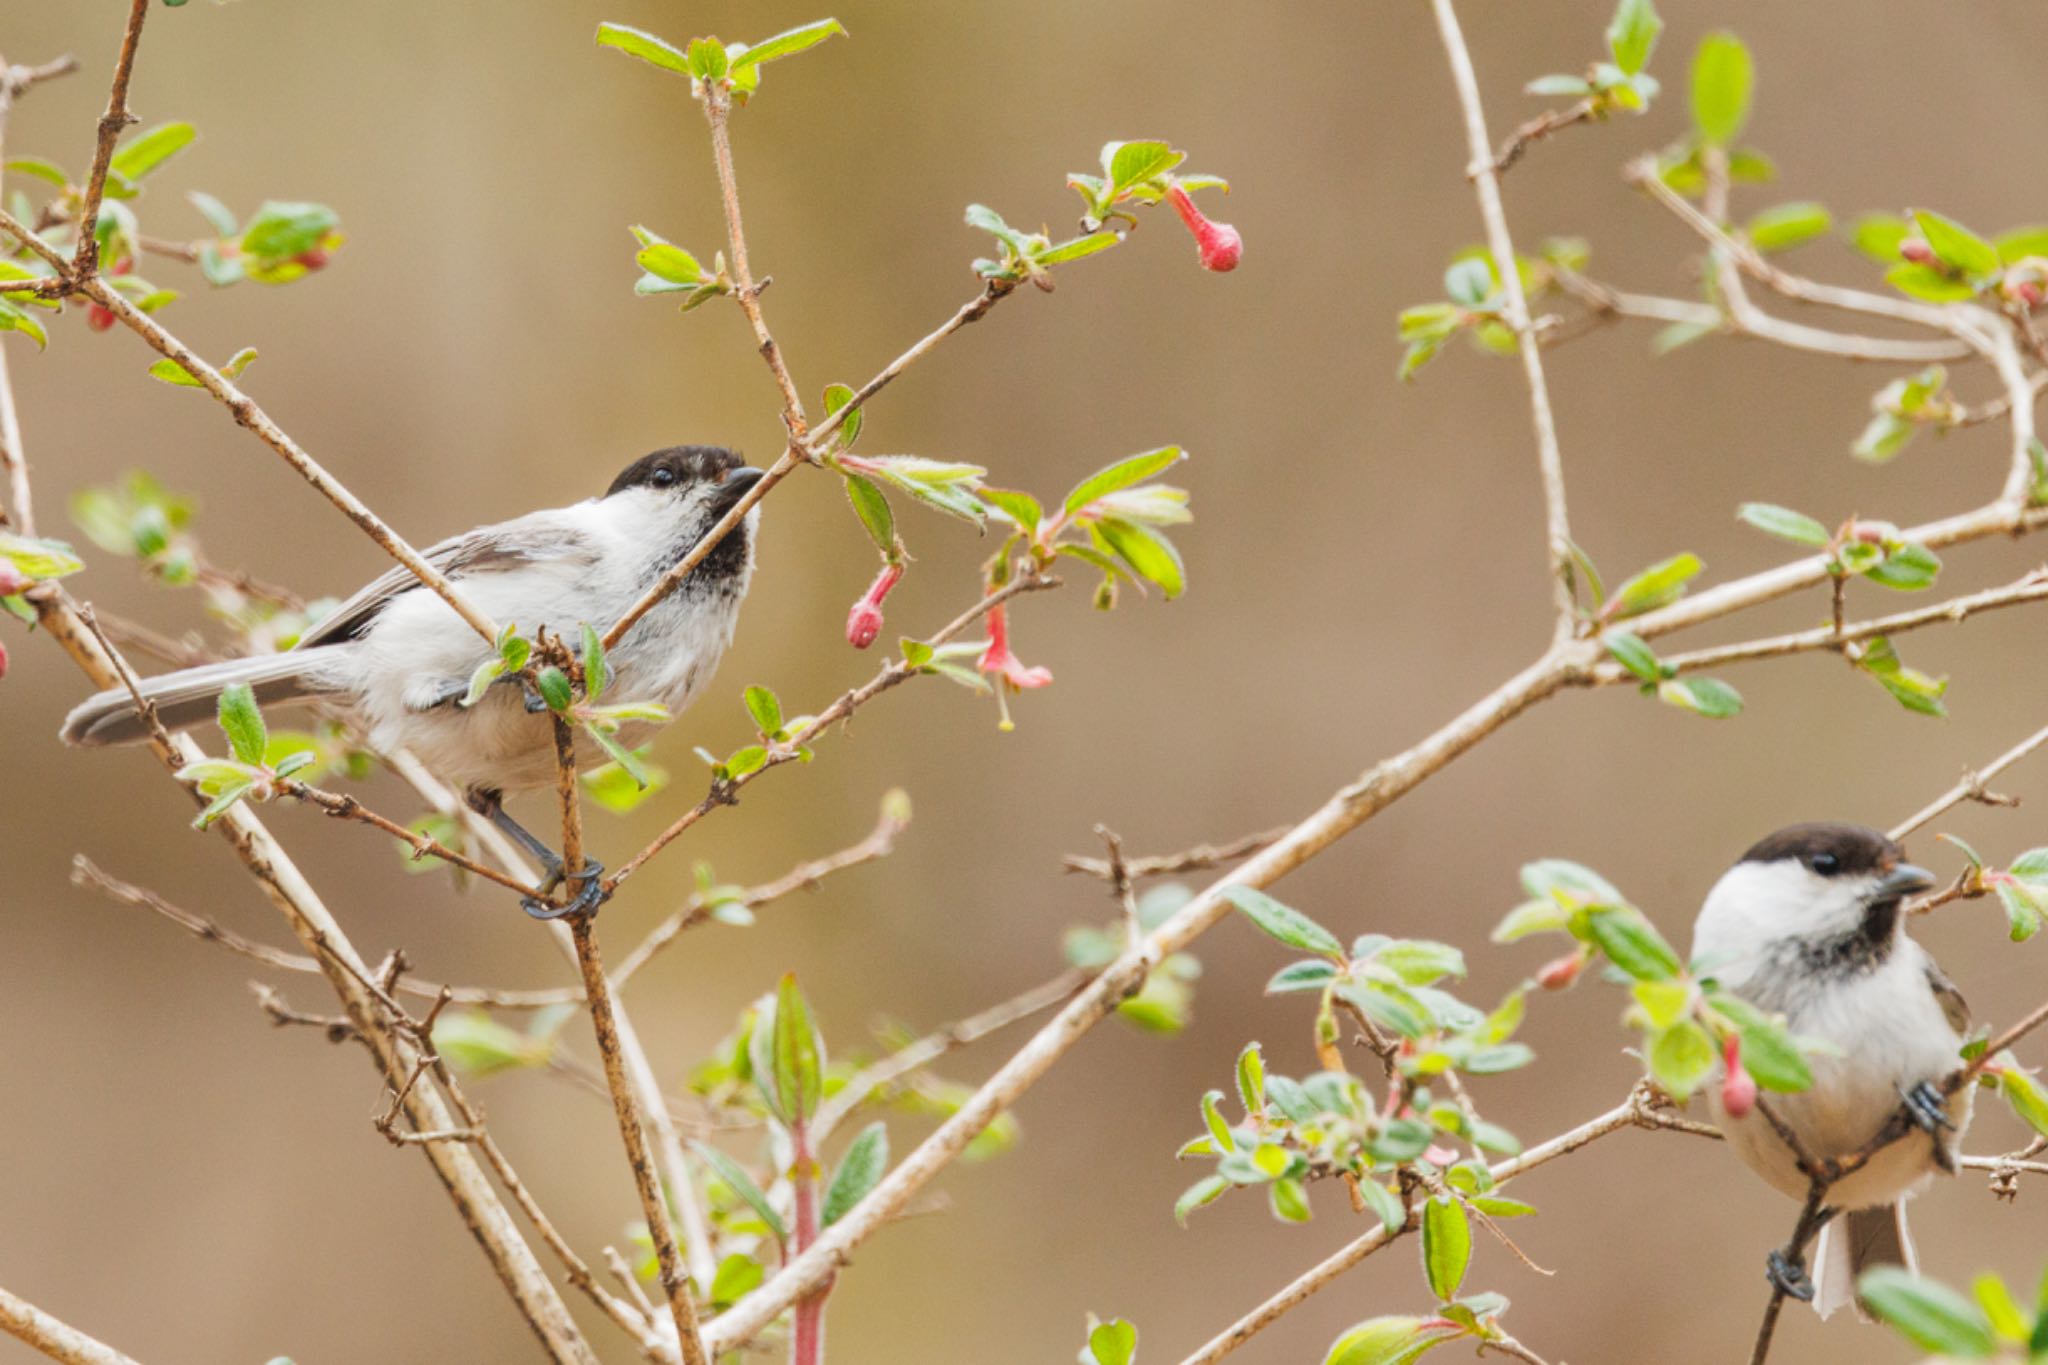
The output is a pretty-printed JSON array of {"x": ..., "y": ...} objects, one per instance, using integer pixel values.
[
  {"x": 1809, "y": 925},
  {"x": 396, "y": 660}
]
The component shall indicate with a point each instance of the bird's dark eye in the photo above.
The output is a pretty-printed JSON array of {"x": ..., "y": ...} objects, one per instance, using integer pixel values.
[
  {"x": 1826, "y": 864},
  {"x": 662, "y": 477}
]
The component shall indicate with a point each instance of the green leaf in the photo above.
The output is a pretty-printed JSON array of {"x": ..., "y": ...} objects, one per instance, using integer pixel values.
[
  {"x": 1632, "y": 34},
  {"x": 2024, "y": 1094},
  {"x": 1150, "y": 555},
  {"x": 40, "y": 169},
  {"x": 787, "y": 43},
  {"x": 1928, "y": 283},
  {"x": 35, "y": 557},
  {"x": 1387, "y": 1205},
  {"x": 1955, "y": 245},
  {"x": 1391, "y": 1341},
  {"x": 1709, "y": 697},
  {"x": 665, "y": 260},
  {"x": 2008, "y": 1320},
  {"x": 1470, "y": 282},
  {"x": 1251, "y": 1079},
  {"x": 1494, "y": 1206},
  {"x": 1133, "y": 469},
  {"x": 1570, "y": 87},
  {"x": 740, "y": 1183},
  {"x": 1133, "y": 163},
  {"x": 1723, "y": 77},
  {"x": 1288, "y": 1199},
  {"x": 145, "y": 152},
  {"x": 1446, "y": 1245},
  {"x": 1207, "y": 1190},
  {"x": 707, "y": 59},
  {"x": 171, "y": 372},
  {"x": 1931, "y": 1316},
  {"x": 765, "y": 708},
  {"x": 1879, "y": 235},
  {"x": 1290, "y": 926},
  {"x": 1659, "y": 585},
  {"x": 1681, "y": 1057},
  {"x": 281, "y": 231},
  {"x": 228, "y": 796},
  {"x": 1023, "y": 510},
  {"x": 838, "y": 396},
  {"x": 1632, "y": 944},
  {"x": 618, "y": 790},
  {"x": 1311, "y": 975},
  {"x": 1113, "y": 1343},
  {"x": 798, "y": 1054},
  {"x": 1906, "y": 568},
  {"x": 1419, "y": 962},
  {"x": 860, "y": 1170},
  {"x": 1784, "y": 523},
  {"x": 1789, "y": 225},
  {"x": 1769, "y": 1053},
  {"x": 1663, "y": 1002},
  {"x": 1633, "y": 654},
  {"x": 242, "y": 722},
  {"x": 1075, "y": 248},
  {"x": 553, "y": 685},
  {"x": 873, "y": 510},
  {"x": 648, "y": 48}
]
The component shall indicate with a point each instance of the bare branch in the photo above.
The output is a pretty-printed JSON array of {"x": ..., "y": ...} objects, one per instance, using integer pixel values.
[
  {"x": 86, "y": 256},
  {"x": 1972, "y": 785},
  {"x": 56, "y": 1339},
  {"x": 1515, "y": 311},
  {"x": 1194, "y": 859}
]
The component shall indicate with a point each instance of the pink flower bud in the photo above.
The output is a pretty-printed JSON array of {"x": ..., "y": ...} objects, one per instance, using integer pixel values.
[
  {"x": 3, "y": 661},
  {"x": 1441, "y": 1156},
  {"x": 864, "y": 622},
  {"x": 2028, "y": 293},
  {"x": 1738, "y": 1087},
  {"x": 12, "y": 580},
  {"x": 1916, "y": 250},
  {"x": 1561, "y": 972},
  {"x": 1219, "y": 245}
]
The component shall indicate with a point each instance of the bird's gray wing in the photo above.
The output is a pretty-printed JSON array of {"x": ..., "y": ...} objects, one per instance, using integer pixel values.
[
  {"x": 488, "y": 549},
  {"x": 1953, "y": 1006}
]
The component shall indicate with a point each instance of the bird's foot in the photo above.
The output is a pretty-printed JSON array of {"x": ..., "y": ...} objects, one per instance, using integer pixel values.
[
  {"x": 1927, "y": 1108},
  {"x": 1788, "y": 1276},
  {"x": 589, "y": 896}
]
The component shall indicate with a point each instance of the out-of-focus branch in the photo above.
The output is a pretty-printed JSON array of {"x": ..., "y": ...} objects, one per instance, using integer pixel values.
[
  {"x": 54, "y": 1338},
  {"x": 1515, "y": 311},
  {"x": 1534, "y": 131},
  {"x": 1971, "y": 788},
  {"x": 1194, "y": 859}
]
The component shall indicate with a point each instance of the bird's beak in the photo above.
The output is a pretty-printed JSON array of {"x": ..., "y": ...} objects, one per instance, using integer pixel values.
[
  {"x": 735, "y": 486},
  {"x": 1904, "y": 880}
]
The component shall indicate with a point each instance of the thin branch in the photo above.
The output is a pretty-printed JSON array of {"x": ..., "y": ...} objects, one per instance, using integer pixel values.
[
  {"x": 54, "y": 1338},
  {"x": 803, "y": 876},
  {"x": 1535, "y": 130},
  {"x": 627, "y": 1109},
  {"x": 894, "y": 672},
  {"x": 915, "y": 1056},
  {"x": 1515, "y": 311},
  {"x": 114, "y": 122},
  {"x": 1195, "y": 859},
  {"x": 1972, "y": 785},
  {"x": 718, "y": 112},
  {"x": 342, "y": 806},
  {"x": 2032, "y": 588}
]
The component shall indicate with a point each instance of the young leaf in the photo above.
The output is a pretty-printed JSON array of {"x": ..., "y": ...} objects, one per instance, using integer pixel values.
[
  {"x": 1788, "y": 225},
  {"x": 1384, "y": 1203},
  {"x": 1722, "y": 79},
  {"x": 740, "y": 1183},
  {"x": 648, "y": 48},
  {"x": 1956, "y": 246},
  {"x": 145, "y": 152},
  {"x": 873, "y": 510},
  {"x": 1681, "y": 1057},
  {"x": 1290, "y": 926},
  {"x": 765, "y": 708},
  {"x": 1207, "y": 1190},
  {"x": 797, "y": 1053},
  {"x": 1633, "y": 34},
  {"x": 1632, "y": 944},
  {"x": 1633, "y": 654},
  {"x": 1709, "y": 697},
  {"x": 1660, "y": 584},
  {"x": 1931, "y": 1316},
  {"x": 1125, "y": 472},
  {"x": 860, "y": 1170},
  {"x": 1113, "y": 1343},
  {"x": 1784, "y": 523},
  {"x": 787, "y": 43},
  {"x": 242, "y": 723},
  {"x": 1446, "y": 1245},
  {"x": 1251, "y": 1079},
  {"x": 597, "y": 673}
]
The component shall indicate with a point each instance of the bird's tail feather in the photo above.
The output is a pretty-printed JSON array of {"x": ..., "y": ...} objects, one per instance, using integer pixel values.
[
  {"x": 1853, "y": 1244},
  {"x": 190, "y": 696}
]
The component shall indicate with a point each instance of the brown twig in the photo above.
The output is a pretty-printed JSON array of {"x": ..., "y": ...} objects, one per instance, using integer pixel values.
[
  {"x": 1195, "y": 859},
  {"x": 115, "y": 121},
  {"x": 342, "y": 806},
  {"x": 1971, "y": 788},
  {"x": 1535, "y": 130},
  {"x": 718, "y": 112}
]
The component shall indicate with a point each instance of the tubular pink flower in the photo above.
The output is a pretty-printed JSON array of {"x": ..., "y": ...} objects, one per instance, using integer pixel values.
[
  {"x": 864, "y": 622},
  {"x": 1738, "y": 1087},
  {"x": 1219, "y": 244},
  {"x": 998, "y": 659}
]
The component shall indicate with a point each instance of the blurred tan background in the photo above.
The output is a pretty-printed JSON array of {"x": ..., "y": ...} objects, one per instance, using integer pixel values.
[{"x": 196, "y": 1187}]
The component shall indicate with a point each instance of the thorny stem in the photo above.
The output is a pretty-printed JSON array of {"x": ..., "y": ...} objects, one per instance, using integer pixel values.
[{"x": 1515, "y": 310}]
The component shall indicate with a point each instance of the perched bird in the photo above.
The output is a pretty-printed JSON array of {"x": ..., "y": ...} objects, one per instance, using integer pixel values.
[
  {"x": 1809, "y": 925},
  {"x": 396, "y": 660}
]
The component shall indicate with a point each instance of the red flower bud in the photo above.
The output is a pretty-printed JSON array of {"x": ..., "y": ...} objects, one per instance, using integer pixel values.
[
  {"x": 2028, "y": 293},
  {"x": 1558, "y": 974},
  {"x": 1916, "y": 250},
  {"x": 1218, "y": 243},
  {"x": 98, "y": 318},
  {"x": 1738, "y": 1087},
  {"x": 864, "y": 622},
  {"x": 3, "y": 661},
  {"x": 313, "y": 259}
]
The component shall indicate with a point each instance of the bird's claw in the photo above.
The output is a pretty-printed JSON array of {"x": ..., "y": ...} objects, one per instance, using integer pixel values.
[
  {"x": 1788, "y": 1276},
  {"x": 1927, "y": 1108},
  {"x": 590, "y": 895}
]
